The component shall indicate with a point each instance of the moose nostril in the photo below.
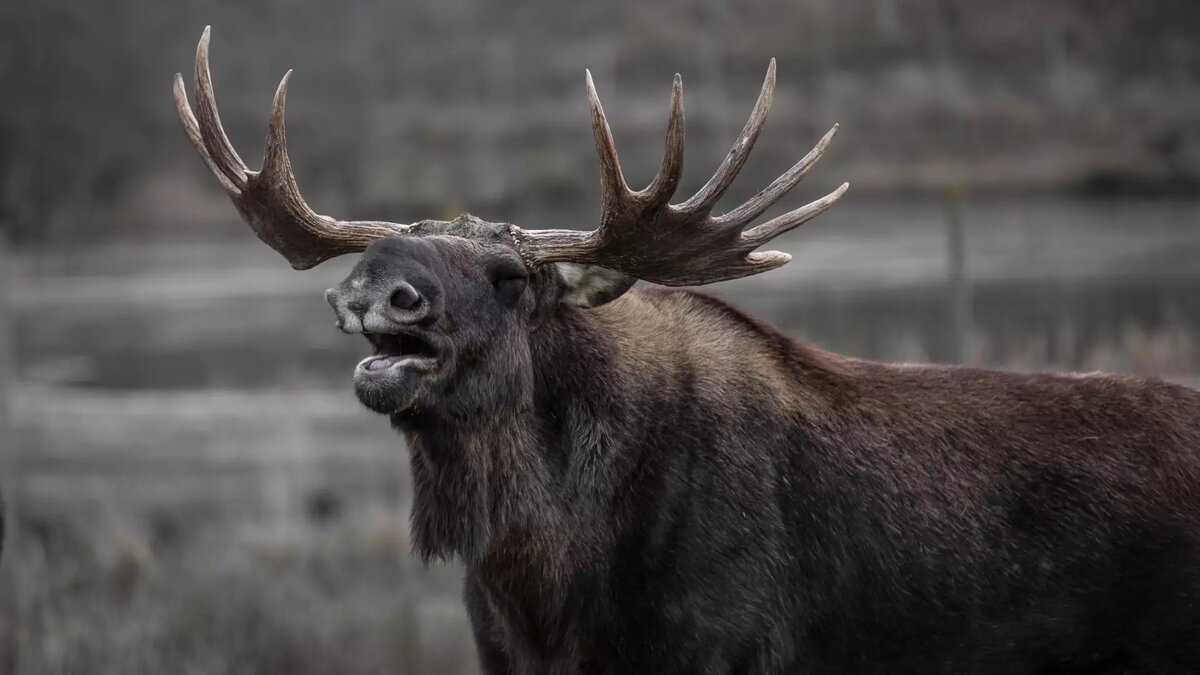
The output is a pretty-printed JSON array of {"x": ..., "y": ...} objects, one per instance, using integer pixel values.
[{"x": 405, "y": 297}]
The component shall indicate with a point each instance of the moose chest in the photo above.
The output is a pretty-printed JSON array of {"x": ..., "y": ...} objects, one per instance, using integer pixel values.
[{"x": 526, "y": 584}]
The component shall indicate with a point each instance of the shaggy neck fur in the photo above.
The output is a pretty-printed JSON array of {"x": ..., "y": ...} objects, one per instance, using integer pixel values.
[
  {"x": 550, "y": 442},
  {"x": 520, "y": 464}
]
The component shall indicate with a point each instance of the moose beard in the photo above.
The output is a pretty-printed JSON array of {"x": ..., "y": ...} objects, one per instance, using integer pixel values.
[
  {"x": 470, "y": 485},
  {"x": 476, "y": 464}
]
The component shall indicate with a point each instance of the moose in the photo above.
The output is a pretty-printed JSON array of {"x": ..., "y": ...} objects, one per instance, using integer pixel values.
[{"x": 648, "y": 480}]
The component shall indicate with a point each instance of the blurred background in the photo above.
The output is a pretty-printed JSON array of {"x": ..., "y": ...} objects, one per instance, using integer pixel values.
[{"x": 192, "y": 486}]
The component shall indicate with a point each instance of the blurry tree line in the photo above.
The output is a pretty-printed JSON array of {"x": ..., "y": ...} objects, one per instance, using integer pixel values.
[{"x": 422, "y": 109}]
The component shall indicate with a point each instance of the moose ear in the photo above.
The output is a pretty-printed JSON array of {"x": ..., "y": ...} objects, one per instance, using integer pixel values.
[{"x": 592, "y": 286}]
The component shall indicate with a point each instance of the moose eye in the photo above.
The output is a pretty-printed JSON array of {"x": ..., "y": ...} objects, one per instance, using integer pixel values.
[{"x": 509, "y": 279}]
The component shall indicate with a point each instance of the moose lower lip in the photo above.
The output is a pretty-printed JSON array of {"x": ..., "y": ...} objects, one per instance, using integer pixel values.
[{"x": 381, "y": 363}]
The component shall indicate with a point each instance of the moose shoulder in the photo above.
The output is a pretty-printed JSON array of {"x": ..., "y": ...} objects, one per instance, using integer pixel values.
[{"x": 649, "y": 480}]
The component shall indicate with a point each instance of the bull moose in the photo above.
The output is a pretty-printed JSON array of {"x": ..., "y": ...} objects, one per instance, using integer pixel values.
[{"x": 648, "y": 480}]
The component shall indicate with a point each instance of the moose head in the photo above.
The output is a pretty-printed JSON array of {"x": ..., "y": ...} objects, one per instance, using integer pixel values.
[{"x": 447, "y": 304}]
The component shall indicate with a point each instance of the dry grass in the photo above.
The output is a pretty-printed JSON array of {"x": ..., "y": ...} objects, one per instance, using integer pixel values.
[
  {"x": 341, "y": 598},
  {"x": 107, "y": 572}
]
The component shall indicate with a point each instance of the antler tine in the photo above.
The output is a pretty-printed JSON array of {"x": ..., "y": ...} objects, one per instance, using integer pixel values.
[
  {"x": 192, "y": 128},
  {"x": 275, "y": 155},
  {"x": 761, "y": 234},
  {"x": 707, "y": 197},
  {"x": 662, "y": 188},
  {"x": 759, "y": 203},
  {"x": 269, "y": 200},
  {"x": 612, "y": 182},
  {"x": 212, "y": 132},
  {"x": 277, "y": 166},
  {"x": 641, "y": 235}
]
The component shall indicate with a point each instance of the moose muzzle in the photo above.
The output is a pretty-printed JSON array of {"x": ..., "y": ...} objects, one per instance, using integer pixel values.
[{"x": 390, "y": 290}]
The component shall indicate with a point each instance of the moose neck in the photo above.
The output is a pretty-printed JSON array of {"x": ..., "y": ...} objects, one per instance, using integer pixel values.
[
  {"x": 473, "y": 479},
  {"x": 518, "y": 469},
  {"x": 538, "y": 469}
]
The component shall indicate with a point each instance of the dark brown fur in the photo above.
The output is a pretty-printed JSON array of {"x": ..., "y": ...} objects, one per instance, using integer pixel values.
[
  {"x": 664, "y": 484},
  {"x": 652, "y": 482}
]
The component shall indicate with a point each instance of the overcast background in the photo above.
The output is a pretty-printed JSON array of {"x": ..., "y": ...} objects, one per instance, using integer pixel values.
[{"x": 191, "y": 485}]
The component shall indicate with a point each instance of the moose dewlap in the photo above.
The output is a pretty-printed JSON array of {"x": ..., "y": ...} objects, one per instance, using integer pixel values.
[{"x": 650, "y": 481}]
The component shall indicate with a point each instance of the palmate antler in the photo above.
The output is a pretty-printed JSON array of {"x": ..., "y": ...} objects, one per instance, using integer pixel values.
[{"x": 641, "y": 234}]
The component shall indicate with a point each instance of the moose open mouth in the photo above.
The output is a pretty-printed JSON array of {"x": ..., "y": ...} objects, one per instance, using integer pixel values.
[
  {"x": 398, "y": 374},
  {"x": 395, "y": 352}
]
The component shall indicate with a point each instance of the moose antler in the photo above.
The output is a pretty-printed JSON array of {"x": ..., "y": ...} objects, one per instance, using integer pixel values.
[
  {"x": 269, "y": 199},
  {"x": 642, "y": 235}
]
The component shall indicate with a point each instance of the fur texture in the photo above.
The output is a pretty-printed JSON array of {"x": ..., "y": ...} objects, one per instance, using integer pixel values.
[{"x": 662, "y": 484}]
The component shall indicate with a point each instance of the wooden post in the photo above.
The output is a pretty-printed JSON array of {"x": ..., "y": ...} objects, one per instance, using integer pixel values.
[
  {"x": 945, "y": 26},
  {"x": 712, "y": 64},
  {"x": 8, "y": 456},
  {"x": 960, "y": 288}
]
